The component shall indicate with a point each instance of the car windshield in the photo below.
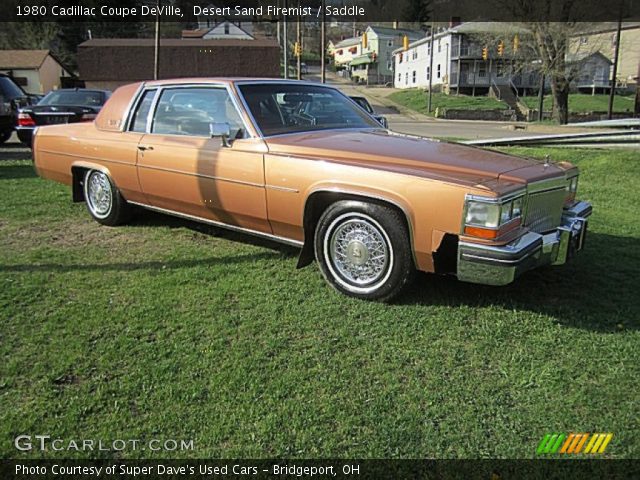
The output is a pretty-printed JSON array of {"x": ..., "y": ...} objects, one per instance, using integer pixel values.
[
  {"x": 76, "y": 97},
  {"x": 291, "y": 108}
]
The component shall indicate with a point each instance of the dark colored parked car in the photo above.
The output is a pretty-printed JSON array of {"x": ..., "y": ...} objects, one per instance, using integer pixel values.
[
  {"x": 12, "y": 97},
  {"x": 364, "y": 103},
  {"x": 67, "y": 105}
]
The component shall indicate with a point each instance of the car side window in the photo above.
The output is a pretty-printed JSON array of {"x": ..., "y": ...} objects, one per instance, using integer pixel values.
[
  {"x": 190, "y": 111},
  {"x": 139, "y": 120}
]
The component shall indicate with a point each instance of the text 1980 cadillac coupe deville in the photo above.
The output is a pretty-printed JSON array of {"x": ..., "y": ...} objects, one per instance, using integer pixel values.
[{"x": 303, "y": 164}]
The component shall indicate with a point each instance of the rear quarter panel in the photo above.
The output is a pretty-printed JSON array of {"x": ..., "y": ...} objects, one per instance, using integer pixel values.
[{"x": 59, "y": 148}]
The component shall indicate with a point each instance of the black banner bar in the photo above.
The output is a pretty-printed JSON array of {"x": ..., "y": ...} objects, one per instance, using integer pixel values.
[
  {"x": 190, "y": 11},
  {"x": 320, "y": 469}
]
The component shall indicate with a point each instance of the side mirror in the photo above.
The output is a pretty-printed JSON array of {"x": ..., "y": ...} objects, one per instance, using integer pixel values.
[{"x": 222, "y": 130}]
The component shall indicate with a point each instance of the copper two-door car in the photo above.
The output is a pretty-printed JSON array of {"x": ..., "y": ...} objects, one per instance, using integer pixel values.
[{"x": 303, "y": 164}]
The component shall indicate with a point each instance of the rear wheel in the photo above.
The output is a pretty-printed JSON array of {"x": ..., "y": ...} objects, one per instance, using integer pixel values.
[
  {"x": 104, "y": 201},
  {"x": 364, "y": 250}
]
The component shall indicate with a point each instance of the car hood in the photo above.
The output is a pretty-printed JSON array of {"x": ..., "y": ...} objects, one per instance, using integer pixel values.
[{"x": 413, "y": 155}]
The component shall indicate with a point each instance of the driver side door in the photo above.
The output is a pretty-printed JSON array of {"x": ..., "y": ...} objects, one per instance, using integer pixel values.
[{"x": 183, "y": 170}]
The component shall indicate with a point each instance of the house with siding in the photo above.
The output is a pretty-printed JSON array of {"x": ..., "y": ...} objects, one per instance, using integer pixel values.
[
  {"x": 36, "y": 71},
  {"x": 458, "y": 64}
]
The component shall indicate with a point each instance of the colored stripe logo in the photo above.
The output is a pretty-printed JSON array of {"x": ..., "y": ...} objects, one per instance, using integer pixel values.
[{"x": 574, "y": 443}]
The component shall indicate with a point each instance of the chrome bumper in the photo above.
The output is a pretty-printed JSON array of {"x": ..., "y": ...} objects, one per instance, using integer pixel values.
[{"x": 501, "y": 265}]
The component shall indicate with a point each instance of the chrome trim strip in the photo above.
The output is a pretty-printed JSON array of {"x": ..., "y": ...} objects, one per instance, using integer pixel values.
[
  {"x": 547, "y": 184},
  {"x": 282, "y": 189},
  {"x": 498, "y": 260},
  {"x": 85, "y": 157},
  {"x": 268, "y": 236},
  {"x": 201, "y": 175}
]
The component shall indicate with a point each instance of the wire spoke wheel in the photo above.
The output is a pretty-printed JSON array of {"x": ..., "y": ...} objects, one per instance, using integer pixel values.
[
  {"x": 99, "y": 194},
  {"x": 359, "y": 251}
]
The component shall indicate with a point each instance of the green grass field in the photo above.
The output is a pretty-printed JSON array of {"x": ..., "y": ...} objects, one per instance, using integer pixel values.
[
  {"x": 416, "y": 99},
  {"x": 166, "y": 329},
  {"x": 581, "y": 102}
]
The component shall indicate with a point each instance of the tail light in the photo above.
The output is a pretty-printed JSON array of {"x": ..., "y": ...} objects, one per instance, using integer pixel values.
[
  {"x": 25, "y": 120},
  {"x": 88, "y": 117}
]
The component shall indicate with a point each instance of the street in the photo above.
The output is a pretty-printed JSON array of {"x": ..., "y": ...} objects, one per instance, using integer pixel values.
[{"x": 414, "y": 123}]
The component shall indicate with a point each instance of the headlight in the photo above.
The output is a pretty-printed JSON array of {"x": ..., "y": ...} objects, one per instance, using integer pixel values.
[
  {"x": 484, "y": 214},
  {"x": 485, "y": 218}
]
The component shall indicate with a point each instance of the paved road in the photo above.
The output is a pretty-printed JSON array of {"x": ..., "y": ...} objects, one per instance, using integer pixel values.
[{"x": 413, "y": 123}]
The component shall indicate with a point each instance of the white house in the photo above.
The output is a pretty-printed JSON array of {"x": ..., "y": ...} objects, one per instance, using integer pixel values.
[
  {"x": 346, "y": 50},
  {"x": 458, "y": 63}
]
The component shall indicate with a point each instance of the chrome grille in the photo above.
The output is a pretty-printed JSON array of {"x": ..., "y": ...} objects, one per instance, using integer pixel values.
[{"x": 544, "y": 210}]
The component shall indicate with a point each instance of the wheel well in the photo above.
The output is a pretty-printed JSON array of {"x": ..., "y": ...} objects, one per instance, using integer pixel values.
[
  {"x": 315, "y": 206},
  {"x": 78, "y": 174}
]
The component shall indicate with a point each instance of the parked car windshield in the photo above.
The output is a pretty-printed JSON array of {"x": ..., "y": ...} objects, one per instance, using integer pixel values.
[
  {"x": 291, "y": 108},
  {"x": 74, "y": 97}
]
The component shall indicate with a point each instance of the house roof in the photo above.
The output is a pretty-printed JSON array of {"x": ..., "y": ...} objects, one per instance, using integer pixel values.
[
  {"x": 348, "y": 42},
  {"x": 201, "y": 32},
  {"x": 468, "y": 28},
  {"x": 394, "y": 32},
  {"x": 179, "y": 42},
  {"x": 582, "y": 56},
  {"x": 22, "y": 58}
]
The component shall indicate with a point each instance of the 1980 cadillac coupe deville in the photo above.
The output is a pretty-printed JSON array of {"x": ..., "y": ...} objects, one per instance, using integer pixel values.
[{"x": 303, "y": 164}]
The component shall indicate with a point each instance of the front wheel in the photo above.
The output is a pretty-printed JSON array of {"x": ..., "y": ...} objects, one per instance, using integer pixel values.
[
  {"x": 104, "y": 201},
  {"x": 364, "y": 250}
]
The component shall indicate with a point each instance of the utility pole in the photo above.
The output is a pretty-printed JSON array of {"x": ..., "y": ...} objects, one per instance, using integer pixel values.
[
  {"x": 323, "y": 46},
  {"x": 541, "y": 97},
  {"x": 612, "y": 91},
  {"x": 299, "y": 52},
  {"x": 285, "y": 45},
  {"x": 431, "y": 46},
  {"x": 156, "y": 51}
]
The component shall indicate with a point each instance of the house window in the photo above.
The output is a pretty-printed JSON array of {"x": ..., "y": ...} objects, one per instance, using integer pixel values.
[
  {"x": 415, "y": 53},
  {"x": 389, "y": 65},
  {"x": 428, "y": 48},
  {"x": 414, "y": 76},
  {"x": 399, "y": 77},
  {"x": 500, "y": 70},
  {"x": 226, "y": 29},
  {"x": 438, "y": 71},
  {"x": 400, "y": 58},
  {"x": 482, "y": 72},
  {"x": 389, "y": 43},
  {"x": 439, "y": 46},
  {"x": 428, "y": 73},
  {"x": 406, "y": 78}
]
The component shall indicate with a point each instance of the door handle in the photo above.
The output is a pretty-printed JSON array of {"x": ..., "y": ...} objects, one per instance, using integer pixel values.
[{"x": 144, "y": 147}]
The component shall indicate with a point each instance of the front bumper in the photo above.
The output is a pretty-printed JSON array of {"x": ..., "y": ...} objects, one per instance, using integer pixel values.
[{"x": 491, "y": 265}]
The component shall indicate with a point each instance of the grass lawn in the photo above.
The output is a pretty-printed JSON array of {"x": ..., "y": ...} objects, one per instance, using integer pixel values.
[
  {"x": 581, "y": 102},
  {"x": 165, "y": 329},
  {"x": 417, "y": 98}
]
